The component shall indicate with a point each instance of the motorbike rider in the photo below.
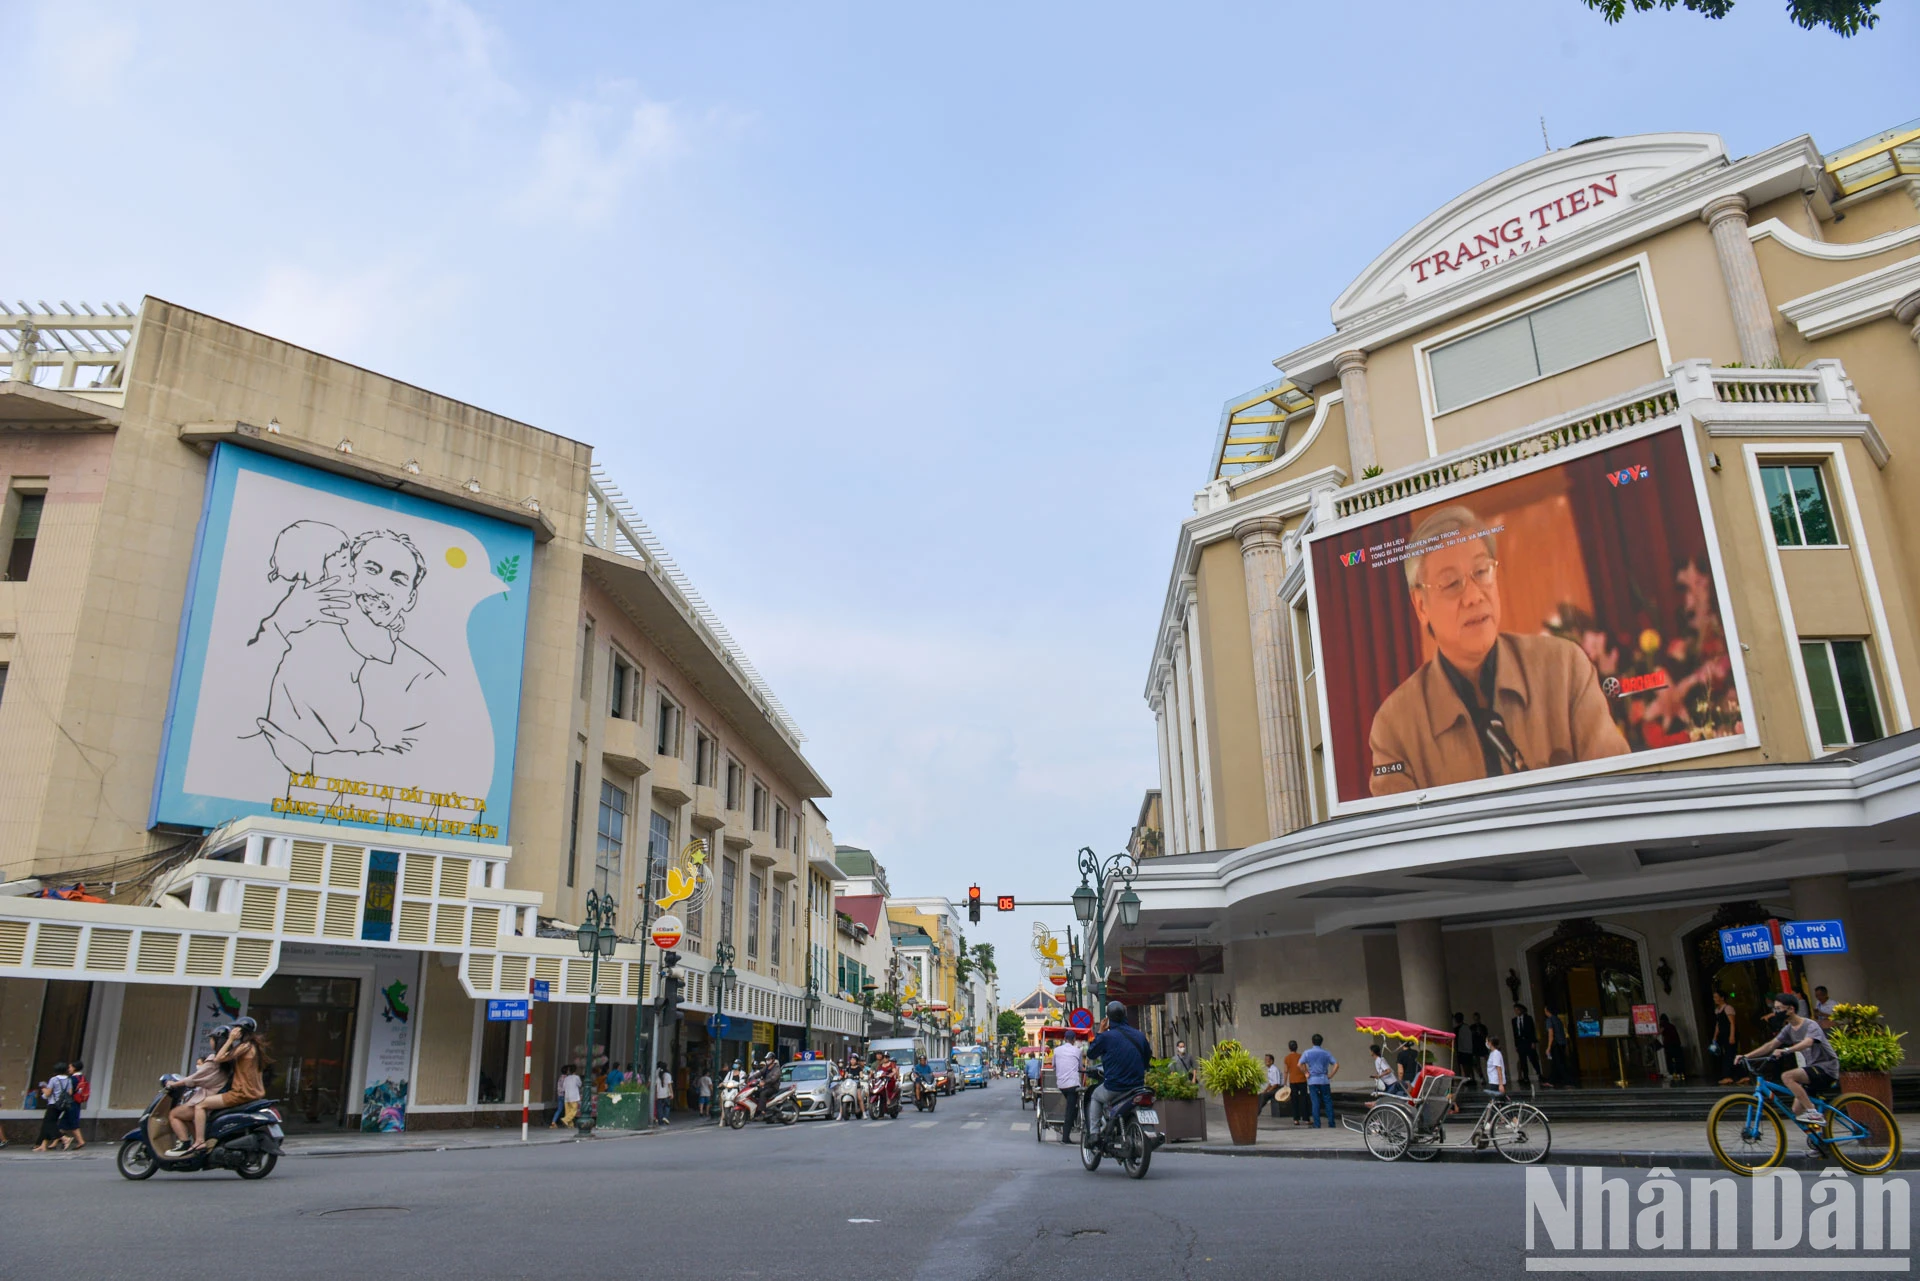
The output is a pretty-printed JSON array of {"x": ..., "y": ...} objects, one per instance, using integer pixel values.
[
  {"x": 766, "y": 1082},
  {"x": 243, "y": 1053},
  {"x": 1123, "y": 1053},
  {"x": 922, "y": 1073}
]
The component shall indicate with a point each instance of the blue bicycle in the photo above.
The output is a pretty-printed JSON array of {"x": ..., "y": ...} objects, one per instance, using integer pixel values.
[{"x": 1748, "y": 1131}]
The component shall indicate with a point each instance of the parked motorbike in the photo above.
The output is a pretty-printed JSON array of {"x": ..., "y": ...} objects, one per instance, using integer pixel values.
[
  {"x": 244, "y": 1139},
  {"x": 782, "y": 1108},
  {"x": 925, "y": 1094},
  {"x": 1130, "y": 1133},
  {"x": 884, "y": 1098}
]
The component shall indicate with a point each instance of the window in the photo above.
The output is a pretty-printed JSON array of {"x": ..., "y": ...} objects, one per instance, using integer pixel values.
[
  {"x": 621, "y": 689},
  {"x": 586, "y": 661},
  {"x": 1572, "y": 331},
  {"x": 780, "y": 825},
  {"x": 736, "y": 783},
  {"x": 667, "y": 729},
  {"x": 612, "y": 839},
  {"x": 659, "y": 853},
  {"x": 497, "y": 1046},
  {"x": 773, "y": 937},
  {"x": 755, "y": 887},
  {"x": 26, "y": 531},
  {"x": 759, "y": 808},
  {"x": 729, "y": 878},
  {"x": 1797, "y": 502},
  {"x": 573, "y": 827},
  {"x": 1840, "y": 679},
  {"x": 706, "y": 754}
]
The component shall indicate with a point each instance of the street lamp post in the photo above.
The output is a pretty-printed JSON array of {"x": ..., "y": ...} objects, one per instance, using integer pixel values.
[
  {"x": 867, "y": 989},
  {"x": 596, "y": 939},
  {"x": 893, "y": 990},
  {"x": 1090, "y": 906},
  {"x": 812, "y": 1004},
  {"x": 719, "y": 978}
]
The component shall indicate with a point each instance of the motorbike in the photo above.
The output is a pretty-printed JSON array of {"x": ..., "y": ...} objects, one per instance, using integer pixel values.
[
  {"x": 1130, "y": 1132},
  {"x": 925, "y": 1094},
  {"x": 1029, "y": 1091},
  {"x": 850, "y": 1096},
  {"x": 782, "y": 1108},
  {"x": 244, "y": 1139},
  {"x": 884, "y": 1098}
]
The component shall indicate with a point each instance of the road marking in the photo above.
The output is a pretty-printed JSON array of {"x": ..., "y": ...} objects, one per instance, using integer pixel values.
[
  {"x": 921, "y": 1125},
  {"x": 973, "y": 1125},
  {"x": 863, "y": 1220},
  {"x": 1022, "y": 1125}
]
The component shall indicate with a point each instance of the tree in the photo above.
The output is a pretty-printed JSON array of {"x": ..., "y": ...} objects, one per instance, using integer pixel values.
[
  {"x": 984, "y": 962},
  {"x": 1843, "y": 17},
  {"x": 1012, "y": 1026},
  {"x": 962, "y": 963}
]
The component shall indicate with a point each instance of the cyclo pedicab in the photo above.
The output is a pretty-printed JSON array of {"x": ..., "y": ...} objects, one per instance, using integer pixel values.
[
  {"x": 1414, "y": 1125},
  {"x": 1050, "y": 1109}
]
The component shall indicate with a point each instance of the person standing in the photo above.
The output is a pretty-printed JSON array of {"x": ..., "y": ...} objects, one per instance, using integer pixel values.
[
  {"x": 1670, "y": 1047},
  {"x": 1321, "y": 1068},
  {"x": 1066, "y": 1078},
  {"x": 1526, "y": 1045},
  {"x": 1822, "y": 1008},
  {"x": 1270, "y": 1097},
  {"x": 1409, "y": 1061},
  {"x": 663, "y": 1094},
  {"x": 1496, "y": 1068},
  {"x": 1556, "y": 1049},
  {"x": 1477, "y": 1033},
  {"x": 1725, "y": 1028},
  {"x": 1296, "y": 1083},
  {"x": 703, "y": 1089},
  {"x": 1181, "y": 1062}
]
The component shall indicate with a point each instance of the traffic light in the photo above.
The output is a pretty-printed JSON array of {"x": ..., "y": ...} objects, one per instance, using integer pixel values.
[
  {"x": 670, "y": 987},
  {"x": 973, "y": 904},
  {"x": 1004, "y": 903}
]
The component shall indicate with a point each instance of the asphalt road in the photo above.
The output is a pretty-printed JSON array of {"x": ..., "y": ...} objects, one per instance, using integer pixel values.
[{"x": 961, "y": 1194}]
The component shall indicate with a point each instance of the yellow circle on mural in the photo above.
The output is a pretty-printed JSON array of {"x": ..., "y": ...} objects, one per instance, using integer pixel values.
[{"x": 456, "y": 557}]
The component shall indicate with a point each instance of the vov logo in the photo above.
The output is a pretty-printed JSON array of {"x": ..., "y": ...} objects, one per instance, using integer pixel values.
[
  {"x": 1595, "y": 1220},
  {"x": 1627, "y": 475}
]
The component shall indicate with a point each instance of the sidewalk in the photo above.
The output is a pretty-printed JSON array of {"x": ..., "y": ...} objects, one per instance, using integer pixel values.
[
  {"x": 1675, "y": 1144},
  {"x": 349, "y": 1143}
]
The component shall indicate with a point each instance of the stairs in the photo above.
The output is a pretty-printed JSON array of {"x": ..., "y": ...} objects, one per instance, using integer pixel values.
[{"x": 1686, "y": 1102}]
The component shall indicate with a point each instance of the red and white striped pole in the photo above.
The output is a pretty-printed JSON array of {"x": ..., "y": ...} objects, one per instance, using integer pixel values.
[
  {"x": 1780, "y": 956},
  {"x": 526, "y": 1079}
]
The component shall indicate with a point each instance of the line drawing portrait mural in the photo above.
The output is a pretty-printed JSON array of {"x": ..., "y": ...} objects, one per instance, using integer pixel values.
[{"x": 337, "y": 630}]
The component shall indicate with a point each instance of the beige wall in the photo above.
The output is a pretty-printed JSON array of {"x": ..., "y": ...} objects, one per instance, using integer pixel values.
[
  {"x": 1239, "y": 796},
  {"x": 152, "y": 1040},
  {"x": 19, "y": 1030},
  {"x": 446, "y": 1034}
]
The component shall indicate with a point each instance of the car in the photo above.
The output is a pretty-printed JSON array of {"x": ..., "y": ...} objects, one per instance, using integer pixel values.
[
  {"x": 945, "y": 1078},
  {"x": 812, "y": 1082},
  {"x": 970, "y": 1065}
]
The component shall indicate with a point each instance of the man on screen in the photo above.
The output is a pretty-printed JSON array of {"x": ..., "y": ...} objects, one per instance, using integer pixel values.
[{"x": 1490, "y": 702}]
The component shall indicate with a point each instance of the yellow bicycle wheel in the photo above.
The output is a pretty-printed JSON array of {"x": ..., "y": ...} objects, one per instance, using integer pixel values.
[
  {"x": 1746, "y": 1136},
  {"x": 1873, "y": 1152}
]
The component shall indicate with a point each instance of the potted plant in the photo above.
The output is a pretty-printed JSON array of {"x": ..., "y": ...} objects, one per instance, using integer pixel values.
[
  {"x": 1868, "y": 1051},
  {"x": 1182, "y": 1113},
  {"x": 1232, "y": 1073}
]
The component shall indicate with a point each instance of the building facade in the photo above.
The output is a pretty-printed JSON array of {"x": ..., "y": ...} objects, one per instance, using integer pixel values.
[
  {"x": 1554, "y": 613},
  {"x": 344, "y": 696}
]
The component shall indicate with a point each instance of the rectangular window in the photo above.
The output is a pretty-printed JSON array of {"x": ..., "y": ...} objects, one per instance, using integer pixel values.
[
  {"x": 729, "y": 878},
  {"x": 26, "y": 531},
  {"x": 612, "y": 834},
  {"x": 586, "y": 661},
  {"x": 573, "y": 827},
  {"x": 755, "y": 887},
  {"x": 659, "y": 853},
  {"x": 736, "y": 783},
  {"x": 620, "y": 689},
  {"x": 1840, "y": 679},
  {"x": 773, "y": 937},
  {"x": 667, "y": 729},
  {"x": 1576, "y": 330},
  {"x": 3, "y": 683},
  {"x": 1797, "y": 504},
  {"x": 759, "y": 808},
  {"x": 705, "y": 754},
  {"x": 780, "y": 825}
]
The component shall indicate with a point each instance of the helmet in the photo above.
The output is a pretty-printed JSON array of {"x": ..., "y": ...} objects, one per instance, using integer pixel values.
[{"x": 247, "y": 1025}]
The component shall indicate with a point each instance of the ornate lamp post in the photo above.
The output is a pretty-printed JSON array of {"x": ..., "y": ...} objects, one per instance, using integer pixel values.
[
  {"x": 1090, "y": 906},
  {"x": 867, "y": 989},
  {"x": 719, "y": 979},
  {"x": 812, "y": 1004},
  {"x": 596, "y": 939},
  {"x": 893, "y": 989}
]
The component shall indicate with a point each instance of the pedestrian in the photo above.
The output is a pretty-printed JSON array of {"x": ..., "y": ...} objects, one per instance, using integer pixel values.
[
  {"x": 1409, "y": 1060},
  {"x": 1181, "y": 1062},
  {"x": 1321, "y": 1068},
  {"x": 1496, "y": 1069},
  {"x": 1384, "y": 1078},
  {"x": 663, "y": 1094},
  {"x": 1822, "y": 1008},
  {"x": 569, "y": 1095},
  {"x": 703, "y": 1089},
  {"x": 79, "y": 1090},
  {"x": 1066, "y": 1079},
  {"x": 1462, "y": 1049},
  {"x": 1556, "y": 1031},
  {"x": 1721, "y": 1047},
  {"x": 53, "y": 1098},
  {"x": 1526, "y": 1044},
  {"x": 1296, "y": 1083},
  {"x": 1477, "y": 1034},
  {"x": 1670, "y": 1047},
  {"x": 615, "y": 1077},
  {"x": 1270, "y": 1097}
]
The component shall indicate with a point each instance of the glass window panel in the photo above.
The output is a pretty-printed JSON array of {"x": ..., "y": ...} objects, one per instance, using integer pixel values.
[
  {"x": 1482, "y": 364},
  {"x": 611, "y": 838},
  {"x": 1593, "y": 323},
  {"x": 1786, "y": 523},
  {"x": 1826, "y": 699},
  {"x": 1856, "y": 689},
  {"x": 1810, "y": 496}
]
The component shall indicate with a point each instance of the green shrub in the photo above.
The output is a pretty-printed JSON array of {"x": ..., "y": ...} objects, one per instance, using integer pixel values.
[
  {"x": 1862, "y": 1041},
  {"x": 1231, "y": 1070},
  {"x": 1165, "y": 1083}
]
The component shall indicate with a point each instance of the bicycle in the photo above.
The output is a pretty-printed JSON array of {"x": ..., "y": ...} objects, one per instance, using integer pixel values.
[
  {"x": 1415, "y": 1128},
  {"x": 1748, "y": 1136}
]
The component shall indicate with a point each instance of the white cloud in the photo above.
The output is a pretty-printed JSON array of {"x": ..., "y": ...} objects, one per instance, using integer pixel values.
[
  {"x": 81, "y": 50},
  {"x": 355, "y": 315},
  {"x": 592, "y": 151}
]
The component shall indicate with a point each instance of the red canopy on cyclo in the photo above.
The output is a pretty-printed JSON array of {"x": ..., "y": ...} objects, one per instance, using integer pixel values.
[{"x": 1399, "y": 1029}]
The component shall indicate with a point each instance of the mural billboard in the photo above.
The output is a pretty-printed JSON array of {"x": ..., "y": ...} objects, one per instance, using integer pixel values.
[
  {"x": 1566, "y": 620},
  {"x": 348, "y": 654}
]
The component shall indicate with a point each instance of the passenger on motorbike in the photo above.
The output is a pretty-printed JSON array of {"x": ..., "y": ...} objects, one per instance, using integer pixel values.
[
  {"x": 243, "y": 1053},
  {"x": 1123, "y": 1055}
]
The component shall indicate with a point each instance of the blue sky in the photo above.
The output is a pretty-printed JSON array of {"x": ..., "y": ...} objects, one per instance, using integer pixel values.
[{"x": 907, "y": 329}]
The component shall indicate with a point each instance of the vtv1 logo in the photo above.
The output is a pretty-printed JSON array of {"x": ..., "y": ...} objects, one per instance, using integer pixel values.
[
  {"x": 1627, "y": 475},
  {"x": 1354, "y": 557}
]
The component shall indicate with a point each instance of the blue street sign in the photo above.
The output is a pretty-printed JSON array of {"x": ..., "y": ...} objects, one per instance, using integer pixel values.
[
  {"x": 507, "y": 1011},
  {"x": 541, "y": 989},
  {"x": 719, "y": 1026},
  {"x": 1747, "y": 943},
  {"x": 1804, "y": 937}
]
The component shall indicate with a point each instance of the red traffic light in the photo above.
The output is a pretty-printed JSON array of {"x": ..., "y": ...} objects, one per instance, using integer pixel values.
[
  {"x": 1004, "y": 903},
  {"x": 973, "y": 894}
]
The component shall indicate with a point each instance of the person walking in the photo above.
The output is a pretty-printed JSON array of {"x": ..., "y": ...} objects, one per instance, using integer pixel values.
[
  {"x": 1496, "y": 1068},
  {"x": 663, "y": 1094},
  {"x": 1270, "y": 1097},
  {"x": 1181, "y": 1062},
  {"x": 1721, "y": 1048},
  {"x": 79, "y": 1090},
  {"x": 1296, "y": 1083},
  {"x": 569, "y": 1095},
  {"x": 1321, "y": 1068},
  {"x": 53, "y": 1098},
  {"x": 703, "y": 1090},
  {"x": 1066, "y": 1079},
  {"x": 1526, "y": 1045}
]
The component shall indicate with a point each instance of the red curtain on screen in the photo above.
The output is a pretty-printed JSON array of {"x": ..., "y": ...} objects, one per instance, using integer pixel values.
[
  {"x": 1636, "y": 535},
  {"x": 1369, "y": 642}
]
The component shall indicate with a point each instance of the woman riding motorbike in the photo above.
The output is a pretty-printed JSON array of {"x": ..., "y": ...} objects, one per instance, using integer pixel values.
[{"x": 243, "y": 1054}]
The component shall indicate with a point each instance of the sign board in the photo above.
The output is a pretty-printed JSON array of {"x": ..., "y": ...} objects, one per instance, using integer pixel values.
[
  {"x": 1004, "y": 902},
  {"x": 510, "y": 1011},
  {"x": 762, "y": 1033},
  {"x": 666, "y": 931},
  {"x": 719, "y": 1027},
  {"x": 1614, "y": 1025},
  {"x": 542, "y": 989},
  {"x": 1746, "y": 943},
  {"x": 1058, "y": 978},
  {"x": 1646, "y": 1021},
  {"x": 1804, "y": 937},
  {"x": 1081, "y": 1018},
  {"x": 1586, "y": 1027}
]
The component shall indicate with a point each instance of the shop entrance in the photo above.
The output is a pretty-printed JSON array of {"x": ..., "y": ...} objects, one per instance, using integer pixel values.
[
  {"x": 1749, "y": 985},
  {"x": 309, "y": 1023},
  {"x": 1591, "y": 979}
]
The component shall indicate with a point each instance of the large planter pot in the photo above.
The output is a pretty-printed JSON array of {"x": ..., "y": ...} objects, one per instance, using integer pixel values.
[
  {"x": 1243, "y": 1117},
  {"x": 1182, "y": 1118},
  {"x": 1875, "y": 1085}
]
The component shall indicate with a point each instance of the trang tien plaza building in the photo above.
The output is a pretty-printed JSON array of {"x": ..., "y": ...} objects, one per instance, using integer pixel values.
[{"x": 1555, "y": 612}]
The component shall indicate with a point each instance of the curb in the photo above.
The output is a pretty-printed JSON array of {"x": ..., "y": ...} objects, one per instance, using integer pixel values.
[
  {"x": 97, "y": 1150},
  {"x": 1613, "y": 1157}
]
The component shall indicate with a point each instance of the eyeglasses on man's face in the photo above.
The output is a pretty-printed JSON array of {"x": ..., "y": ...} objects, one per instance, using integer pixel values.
[{"x": 1448, "y": 587}]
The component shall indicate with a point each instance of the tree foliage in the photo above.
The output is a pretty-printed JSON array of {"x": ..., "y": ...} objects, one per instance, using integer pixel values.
[
  {"x": 1012, "y": 1025},
  {"x": 1843, "y": 17}
]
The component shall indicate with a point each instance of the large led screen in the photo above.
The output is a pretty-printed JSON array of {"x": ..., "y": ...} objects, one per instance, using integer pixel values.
[{"x": 1566, "y": 620}]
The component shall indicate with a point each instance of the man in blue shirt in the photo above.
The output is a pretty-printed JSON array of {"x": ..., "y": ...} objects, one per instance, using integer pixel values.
[
  {"x": 1321, "y": 1066},
  {"x": 1123, "y": 1055}
]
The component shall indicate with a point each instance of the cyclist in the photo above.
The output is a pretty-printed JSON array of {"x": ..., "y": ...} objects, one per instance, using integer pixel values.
[{"x": 1819, "y": 1067}]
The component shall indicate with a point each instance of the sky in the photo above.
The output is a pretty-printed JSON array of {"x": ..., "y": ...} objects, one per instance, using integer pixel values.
[{"x": 906, "y": 327}]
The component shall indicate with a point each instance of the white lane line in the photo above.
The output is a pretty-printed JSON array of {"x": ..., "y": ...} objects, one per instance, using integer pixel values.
[
  {"x": 863, "y": 1220},
  {"x": 922, "y": 1125},
  {"x": 1022, "y": 1125},
  {"x": 973, "y": 1125}
]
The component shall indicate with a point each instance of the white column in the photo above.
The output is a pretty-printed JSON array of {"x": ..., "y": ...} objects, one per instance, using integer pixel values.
[
  {"x": 1159, "y": 704},
  {"x": 1907, "y": 312},
  {"x": 1275, "y": 698},
  {"x": 1202, "y": 736},
  {"x": 1352, "y": 368},
  {"x": 1176, "y": 796},
  {"x": 1752, "y": 319},
  {"x": 1827, "y": 898},
  {"x": 1189, "y": 777},
  {"x": 1423, "y": 972}
]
